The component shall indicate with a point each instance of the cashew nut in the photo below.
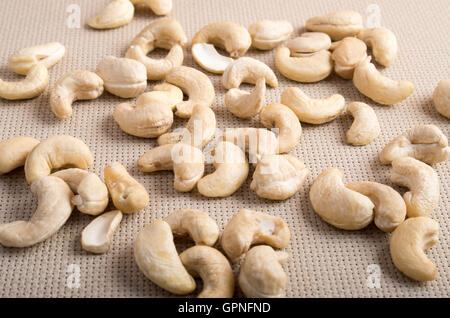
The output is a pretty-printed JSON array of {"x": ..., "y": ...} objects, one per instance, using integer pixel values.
[
  {"x": 14, "y": 152},
  {"x": 249, "y": 227},
  {"x": 159, "y": 7},
  {"x": 313, "y": 111},
  {"x": 347, "y": 54},
  {"x": 365, "y": 127},
  {"x": 422, "y": 182},
  {"x": 246, "y": 105},
  {"x": 308, "y": 43},
  {"x": 186, "y": 161},
  {"x": 426, "y": 143},
  {"x": 369, "y": 81},
  {"x": 116, "y": 14},
  {"x": 441, "y": 98},
  {"x": 383, "y": 43},
  {"x": 268, "y": 34},
  {"x": 261, "y": 274},
  {"x": 56, "y": 152},
  {"x": 337, "y": 24},
  {"x": 157, "y": 257},
  {"x": 33, "y": 85},
  {"x": 75, "y": 85},
  {"x": 213, "y": 268},
  {"x": 54, "y": 208},
  {"x": 231, "y": 172},
  {"x": 96, "y": 237},
  {"x": 247, "y": 70},
  {"x": 209, "y": 59},
  {"x": 408, "y": 243},
  {"x": 127, "y": 194}
]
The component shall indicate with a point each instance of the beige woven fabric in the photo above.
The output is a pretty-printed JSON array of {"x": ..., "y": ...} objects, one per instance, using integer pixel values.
[{"x": 325, "y": 261}]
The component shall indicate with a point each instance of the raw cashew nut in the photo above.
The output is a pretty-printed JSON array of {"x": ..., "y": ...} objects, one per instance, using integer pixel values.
[
  {"x": 261, "y": 274},
  {"x": 33, "y": 85},
  {"x": 441, "y": 98},
  {"x": 92, "y": 194},
  {"x": 407, "y": 245},
  {"x": 213, "y": 268},
  {"x": 422, "y": 182},
  {"x": 127, "y": 194},
  {"x": 47, "y": 54},
  {"x": 286, "y": 121},
  {"x": 308, "y": 43},
  {"x": 198, "y": 224},
  {"x": 186, "y": 161},
  {"x": 249, "y": 227},
  {"x": 313, "y": 111},
  {"x": 159, "y": 7},
  {"x": 54, "y": 208},
  {"x": 75, "y": 85},
  {"x": 365, "y": 127},
  {"x": 383, "y": 43},
  {"x": 165, "y": 93},
  {"x": 246, "y": 105},
  {"x": 268, "y": 34},
  {"x": 96, "y": 237},
  {"x": 14, "y": 152},
  {"x": 347, "y": 54},
  {"x": 209, "y": 59},
  {"x": 123, "y": 77},
  {"x": 157, "y": 257},
  {"x": 426, "y": 143},
  {"x": 195, "y": 84},
  {"x": 337, "y": 24},
  {"x": 57, "y": 152},
  {"x": 247, "y": 70},
  {"x": 231, "y": 172},
  {"x": 278, "y": 177},
  {"x": 369, "y": 81},
  {"x": 116, "y": 14},
  {"x": 338, "y": 205}
]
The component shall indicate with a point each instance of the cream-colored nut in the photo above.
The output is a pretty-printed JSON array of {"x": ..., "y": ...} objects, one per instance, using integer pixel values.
[
  {"x": 422, "y": 182},
  {"x": 248, "y": 227},
  {"x": 122, "y": 77},
  {"x": 246, "y": 105},
  {"x": 96, "y": 237},
  {"x": 365, "y": 127},
  {"x": 308, "y": 43},
  {"x": 407, "y": 245},
  {"x": 278, "y": 177},
  {"x": 92, "y": 194},
  {"x": 268, "y": 34},
  {"x": 209, "y": 59},
  {"x": 426, "y": 143},
  {"x": 57, "y": 152},
  {"x": 75, "y": 85},
  {"x": 247, "y": 70},
  {"x": 337, "y": 24},
  {"x": 24, "y": 59},
  {"x": 159, "y": 7},
  {"x": 231, "y": 172},
  {"x": 383, "y": 43},
  {"x": 279, "y": 116},
  {"x": 441, "y": 98},
  {"x": 186, "y": 161},
  {"x": 390, "y": 209},
  {"x": 165, "y": 93},
  {"x": 230, "y": 36},
  {"x": 116, "y": 14},
  {"x": 347, "y": 55},
  {"x": 313, "y": 111},
  {"x": 306, "y": 69},
  {"x": 261, "y": 274},
  {"x": 197, "y": 224},
  {"x": 157, "y": 257},
  {"x": 33, "y": 85},
  {"x": 127, "y": 194},
  {"x": 54, "y": 208},
  {"x": 385, "y": 91},
  {"x": 14, "y": 152},
  {"x": 195, "y": 84},
  {"x": 337, "y": 205},
  {"x": 213, "y": 268}
]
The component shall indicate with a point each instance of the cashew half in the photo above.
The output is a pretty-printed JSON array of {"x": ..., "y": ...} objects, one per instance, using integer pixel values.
[
  {"x": 96, "y": 237},
  {"x": 407, "y": 245},
  {"x": 308, "y": 43},
  {"x": 268, "y": 34},
  {"x": 347, "y": 54},
  {"x": 159, "y": 7},
  {"x": 209, "y": 59},
  {"x": 14, "y": 152},
  {"x": 213, "y": 268},
  {"x": 54, "y": 208},
  {"x": 247, "y": 70},
  {"x": 246, "y": 105},
  {"x": 337, "y": 24},
  {"x": 116, "y": 14},
  {"x": 365, "y": 127},
  {"x": 33, "y": 85},
  {"x": 441, "y": 98},
  {"x": 383, "y": 43}
]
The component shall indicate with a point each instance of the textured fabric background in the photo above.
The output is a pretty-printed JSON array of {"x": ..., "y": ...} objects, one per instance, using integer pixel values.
[{"x": 325, "y": 261}]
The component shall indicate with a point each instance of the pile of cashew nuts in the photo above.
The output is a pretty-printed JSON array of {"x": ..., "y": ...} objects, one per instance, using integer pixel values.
[{"x": 336, "y": 41}]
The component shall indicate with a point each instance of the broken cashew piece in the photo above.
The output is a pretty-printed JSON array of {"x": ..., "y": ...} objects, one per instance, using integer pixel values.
[
  {"x": 14, "y": 152},
  {"x": 159, "y": 7},
  {"x": 247, "y": 70},
  {"x": 246, "y": 105},
  {"x": 365, "y": 127},
  {"x": 33, "y": 85},
  {"x": 268, "y": 34},
  {"x": 116, "y": 14},
  {"x": 96, "y": 237},
  {"x": 441, "y": 98},
  {"x": 347, "y": 54},
  {"x": 383, "y": 43},
  {"x": 337, "y": 24},
  {"x": 308, "y": 43}
]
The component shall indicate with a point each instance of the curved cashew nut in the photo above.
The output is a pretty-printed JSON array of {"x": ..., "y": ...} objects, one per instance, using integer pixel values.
[
  {"x": 308, "y": 43},
  {"x": 249, "y": 227},
  {"x": 347, "y": 54},
  {"x": 116, "y": 14},
  {"x": 96, "y": 237},
  {"x": 313, "y": 111},
  {"x": 246, "y": 105},
  {"x": 247, "y": 70},
  {"x": 159, "y": 7},
  {"x": 56, "y": 152},
  {"x": 209, "y": 59},
  {"x": 213, "y": 268},
  {"x": 267, "y": 34},
  {"x": 383, "y": 43},
  {"x": 441, "y": 98},
  {"x": 54, "y": 208},
  {"x": 365, "y": 127},
  {"x": 231, "y": 172},
  {"x": 337, "y": 205},
  {"x": 423, "y": 184},
  {"x": 33, "y": 85},
  {"x": 157, "y": 257},
  {"x": 337, "y": 24},
  {"x": 14, "y": 152},
  {"x": 407, "y": 246}
]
